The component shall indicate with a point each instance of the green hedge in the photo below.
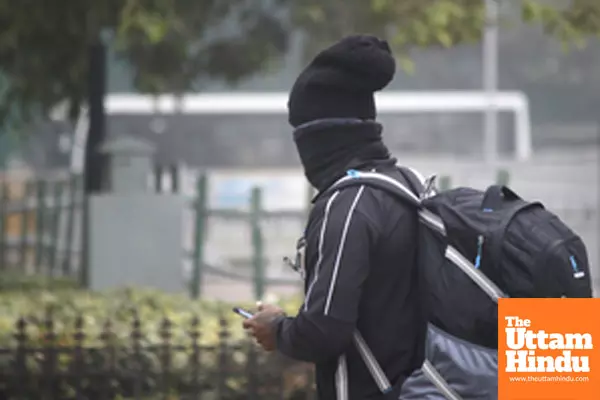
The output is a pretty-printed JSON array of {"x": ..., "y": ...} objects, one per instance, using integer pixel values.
[
  {"x": 66, "y": 306},
  {"x": 118, "y": 306}
]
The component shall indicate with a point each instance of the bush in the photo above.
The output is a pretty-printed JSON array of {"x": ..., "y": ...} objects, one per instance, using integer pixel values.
[
  {"x": 119, "y": 306},
  {"x": 69, "y": 307}
]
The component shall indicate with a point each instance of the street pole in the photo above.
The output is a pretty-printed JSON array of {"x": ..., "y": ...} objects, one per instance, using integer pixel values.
[{"x": 490, "y": 80}]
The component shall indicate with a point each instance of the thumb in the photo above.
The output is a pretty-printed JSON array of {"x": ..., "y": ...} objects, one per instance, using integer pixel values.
[
  {"x": 260, "y": 306},
  {"x": 248, "y": 323}
]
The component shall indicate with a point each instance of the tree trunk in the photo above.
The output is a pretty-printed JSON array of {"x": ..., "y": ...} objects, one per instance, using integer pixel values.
[{"x": 94, "y": 160}]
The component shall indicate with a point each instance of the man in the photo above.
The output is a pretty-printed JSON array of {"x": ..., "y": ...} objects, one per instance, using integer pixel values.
[{"x": 359, "y": 247}]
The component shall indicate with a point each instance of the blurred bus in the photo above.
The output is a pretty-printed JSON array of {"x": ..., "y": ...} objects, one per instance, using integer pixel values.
[{"x": 239, "y": 130}]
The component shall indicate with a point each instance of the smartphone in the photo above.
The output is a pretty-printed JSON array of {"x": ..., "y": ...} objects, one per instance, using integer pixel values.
[{"x": 242, "y": 312}]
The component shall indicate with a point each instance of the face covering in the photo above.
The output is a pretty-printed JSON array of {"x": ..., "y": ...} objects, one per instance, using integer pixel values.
[{"x": 330, "y": 147}]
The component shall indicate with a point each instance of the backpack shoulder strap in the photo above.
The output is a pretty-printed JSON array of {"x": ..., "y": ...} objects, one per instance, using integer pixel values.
[
  {"x": 415, "y": 180},
  {"x": 377, "y": 180}
]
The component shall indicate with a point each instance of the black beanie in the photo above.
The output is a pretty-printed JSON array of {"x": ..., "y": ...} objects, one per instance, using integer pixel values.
[{"x": 341, "y": 80}]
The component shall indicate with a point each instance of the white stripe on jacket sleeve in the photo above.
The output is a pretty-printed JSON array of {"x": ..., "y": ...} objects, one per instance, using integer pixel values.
[
  {"x": 340, "y": 250},
  {"x": 320, "y": 247}
]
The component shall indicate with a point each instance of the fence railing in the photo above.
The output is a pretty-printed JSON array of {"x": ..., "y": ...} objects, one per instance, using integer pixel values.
[
  {"x": 143, "y": 364},
  {"x": 40, "y": 229},
  {"x": 38, "y": 224}
]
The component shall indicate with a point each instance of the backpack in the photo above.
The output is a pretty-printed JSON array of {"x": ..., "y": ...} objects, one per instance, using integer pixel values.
[{"x": 474, "y": 248}]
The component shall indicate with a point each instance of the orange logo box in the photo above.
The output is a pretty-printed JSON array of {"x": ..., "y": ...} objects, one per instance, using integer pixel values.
[{"x": 549, "y": 349}]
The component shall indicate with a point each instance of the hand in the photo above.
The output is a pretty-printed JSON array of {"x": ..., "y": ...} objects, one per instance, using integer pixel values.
[{"x": 262, "y": 327}]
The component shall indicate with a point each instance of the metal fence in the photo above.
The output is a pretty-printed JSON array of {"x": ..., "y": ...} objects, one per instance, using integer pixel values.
[
  {"x": 57, "y": 365},
  {"x": 40, "y": 229},
  {"x": 38, "y": 225}
]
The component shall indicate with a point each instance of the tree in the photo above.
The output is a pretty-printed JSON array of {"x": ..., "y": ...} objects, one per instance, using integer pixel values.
[
  {"x": 44, "y": 46},
  {"x": 530, "y": 58},
  {"x": 429, "y": 23},
  {"x": 170, "y": 44}
]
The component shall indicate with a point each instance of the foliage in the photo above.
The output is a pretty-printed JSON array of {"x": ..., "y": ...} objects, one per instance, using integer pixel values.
[
  {"x": 573, "y": 24},
  {"x": 44, "y": 46},
  {"x": 427, "y": 23},
  {"x": 578, "y": 29},
  {"x": 151, "y": 307},
  {"x": 172, "y": 45},
  {"x": 118, "y": 306}
]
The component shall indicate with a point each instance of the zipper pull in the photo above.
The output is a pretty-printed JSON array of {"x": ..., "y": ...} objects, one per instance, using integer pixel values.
[
  {"x": 288, "y": 261},
  {"x": 480, "y": 240}
]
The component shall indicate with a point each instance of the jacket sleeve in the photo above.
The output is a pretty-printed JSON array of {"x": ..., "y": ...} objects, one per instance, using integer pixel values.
[{"x": 339, "y": 241}]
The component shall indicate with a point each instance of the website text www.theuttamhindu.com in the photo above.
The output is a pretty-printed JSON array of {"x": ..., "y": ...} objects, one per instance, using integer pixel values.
[{"x": 533, "y": 379}]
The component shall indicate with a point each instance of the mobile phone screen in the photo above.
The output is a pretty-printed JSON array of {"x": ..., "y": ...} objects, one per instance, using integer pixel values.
[{"x": 242, "y": 312}]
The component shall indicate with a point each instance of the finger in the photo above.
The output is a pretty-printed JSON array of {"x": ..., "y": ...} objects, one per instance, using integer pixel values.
[
  {"x": 259, "y": 305},
  {"x": 249, "y": 324},
  {"x": 251, "y": 332}
]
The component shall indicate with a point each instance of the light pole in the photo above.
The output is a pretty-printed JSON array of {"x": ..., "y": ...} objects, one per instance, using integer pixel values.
[{"x": 490, "y": 80}]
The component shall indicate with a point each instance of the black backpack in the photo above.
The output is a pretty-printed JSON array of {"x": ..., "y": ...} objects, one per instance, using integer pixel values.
[{"x": 519, "y": 248}]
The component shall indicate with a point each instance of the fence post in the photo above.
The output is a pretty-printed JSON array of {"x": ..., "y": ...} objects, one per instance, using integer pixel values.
[
  {"x": 57, "y": 204},
  {"x": 25, "y": 219},
  {"x": 502, "y": 177},
  {"x": 200, "y": 206},
  {"x": 257, "y": 243},
  {"x": 445, "y": 183},
  {"x": 70, "y": 228},
  {"x": 40, "y": 206},
  {"x": 3, "y": 223}
]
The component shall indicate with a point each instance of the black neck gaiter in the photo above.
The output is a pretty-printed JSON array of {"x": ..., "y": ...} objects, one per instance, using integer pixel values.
[{"x": 330, "y": 147}]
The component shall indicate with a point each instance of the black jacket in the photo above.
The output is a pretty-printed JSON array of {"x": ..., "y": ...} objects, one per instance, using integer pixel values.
[{"x": 360, "y": 266}]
